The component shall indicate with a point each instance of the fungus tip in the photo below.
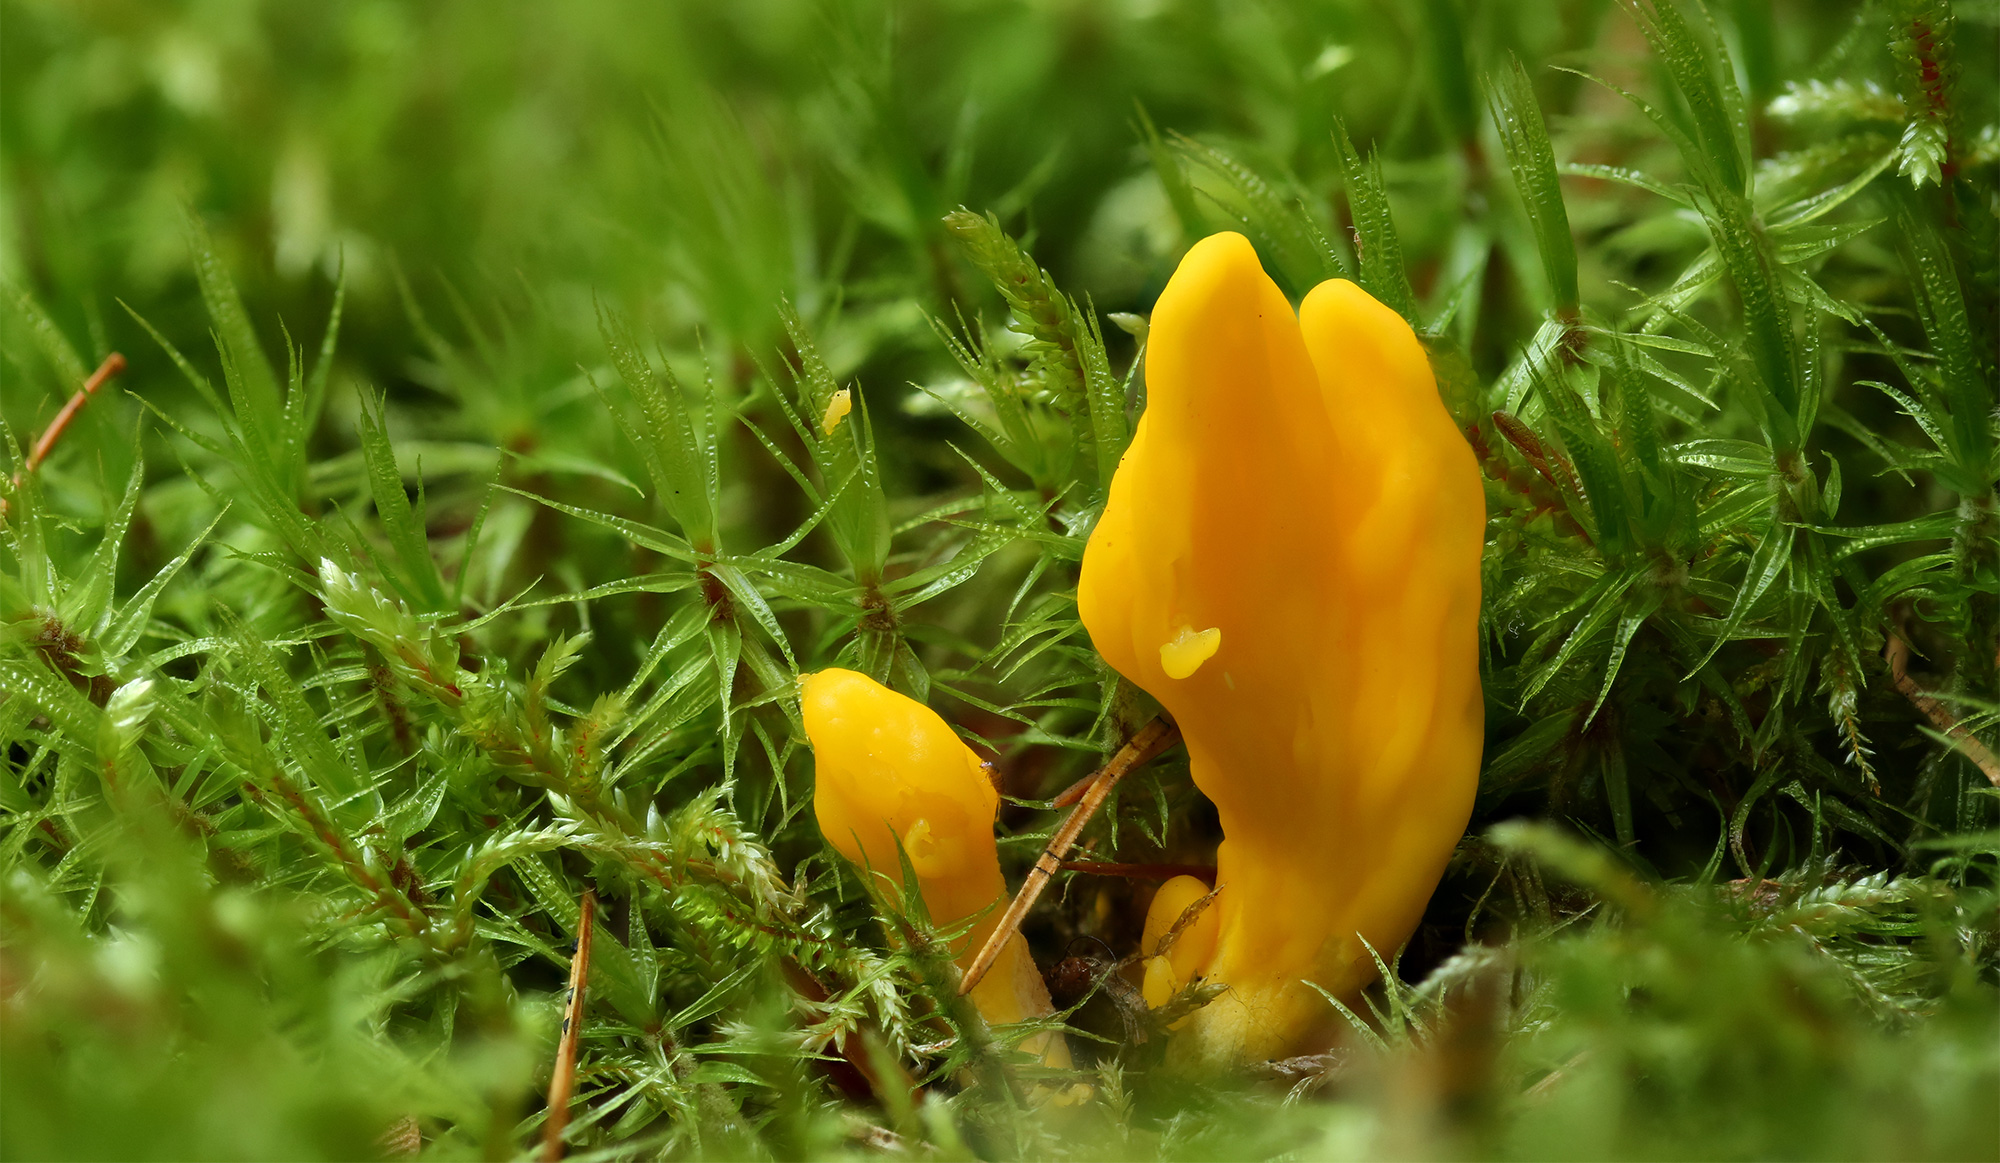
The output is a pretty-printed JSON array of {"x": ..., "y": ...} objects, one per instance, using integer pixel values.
[
  {"x": 1184, "y": 653},
  {"x": 1159, "y": 986}
]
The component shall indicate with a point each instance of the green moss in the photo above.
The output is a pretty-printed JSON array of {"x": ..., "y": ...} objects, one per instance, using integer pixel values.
[{"x": 457, "y": 531}]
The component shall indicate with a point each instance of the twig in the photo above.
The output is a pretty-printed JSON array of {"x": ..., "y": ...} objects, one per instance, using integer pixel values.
[
  {"x": 563, "y": 1082},
  {"x": 1548, "y": 1083},
  {"x": 112, "y": 365},
  {"x": 1140, "y": 871},
  {"x": 1074, "y": 792},
  {"x": 1981, "y": 756},
  {"x": 1152, "y": 739}
]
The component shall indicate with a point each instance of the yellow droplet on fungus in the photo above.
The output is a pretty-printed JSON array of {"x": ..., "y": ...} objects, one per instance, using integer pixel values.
[{"x": 1183, "y": 654}]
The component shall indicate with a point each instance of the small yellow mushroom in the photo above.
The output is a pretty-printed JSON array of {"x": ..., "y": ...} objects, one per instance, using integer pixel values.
[
  {"x": 1168, "y": 972},
  {"x": 837, "y": 409},
  {"x": 888, "y": 768},
  {"x": 1296, "y": 485}
]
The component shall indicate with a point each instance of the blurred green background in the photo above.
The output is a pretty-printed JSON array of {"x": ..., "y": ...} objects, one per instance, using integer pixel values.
[{"x": 692, "y": 163}]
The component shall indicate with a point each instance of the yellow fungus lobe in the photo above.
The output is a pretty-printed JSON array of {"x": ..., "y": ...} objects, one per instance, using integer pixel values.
[
  {"x": 1159, "y": 986},
  {"x": 1167, "y": 971},
  {"x": 1296, "y": 478},
  {"x": 1184, "y": 653},
  {"x": 836, "y": 410},
  {"x": 887, "y": 769}
]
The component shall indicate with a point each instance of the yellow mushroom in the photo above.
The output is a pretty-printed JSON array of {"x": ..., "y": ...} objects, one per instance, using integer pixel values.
[
  {"x": 1166, "y": 973},
  {"x": 886, "y": 767},
  {"x": 1289, "y": 562},
  {"x": 837, "y": 407}
]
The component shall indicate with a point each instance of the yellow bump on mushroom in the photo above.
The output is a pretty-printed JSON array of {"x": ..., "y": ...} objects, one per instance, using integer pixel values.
[
  {"x": 1183, "y": 654},
  {"x": 1296, "y": 478},
  {"x": 837, "y": 409},
  {"x": 1168, "y": 972},
  {"x": 887, "y": 768}
]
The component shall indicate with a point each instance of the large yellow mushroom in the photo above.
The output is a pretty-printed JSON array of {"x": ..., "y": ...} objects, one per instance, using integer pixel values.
[
  {"x": 1289, "y": 562},
  {"x": 888, "y": 768}
]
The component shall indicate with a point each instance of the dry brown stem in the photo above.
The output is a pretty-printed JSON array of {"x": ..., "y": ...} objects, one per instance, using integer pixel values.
[
  {"x": 562, "y": 1083},
  {"x": 1140, "y": 871},
  {"x": 1152, "y": 739},
  {"x": 1940, "y": 715},
  {"x": 112, "y": 365}
]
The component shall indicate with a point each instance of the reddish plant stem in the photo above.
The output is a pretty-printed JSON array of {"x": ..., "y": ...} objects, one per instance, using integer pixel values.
[
  {"x": 1140, "y": 871},
  {"x": 112, "y": 365},
  {"x": 415, "y": 921},
  {"x": 1541, "y": 494}
]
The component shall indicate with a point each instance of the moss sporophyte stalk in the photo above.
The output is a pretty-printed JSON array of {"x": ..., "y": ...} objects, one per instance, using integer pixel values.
[{"x": 1288, "y": 561}]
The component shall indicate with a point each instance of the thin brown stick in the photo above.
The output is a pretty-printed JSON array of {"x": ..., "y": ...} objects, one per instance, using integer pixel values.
[
  {"x": 112, "y": 365},
  {"x": 1152, "y": 739},
  {"x": 1074, "y": 792},
  {"x": 563, "y": 1082},
  {"x": 1553, "y": 1078},
  {"x": 1969, "y": 744},
  {"x": 1140, "y": 871}
]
